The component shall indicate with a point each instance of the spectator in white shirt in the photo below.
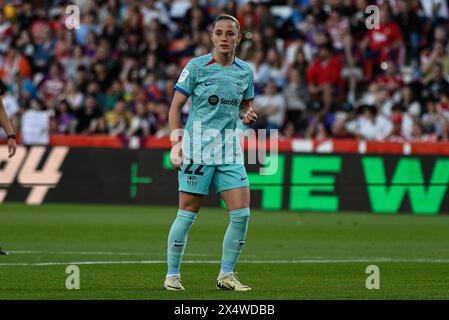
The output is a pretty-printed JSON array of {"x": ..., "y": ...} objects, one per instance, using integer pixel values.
[
  {"x": 371, "y": 125},
  {"x": 270, "y": 106}
]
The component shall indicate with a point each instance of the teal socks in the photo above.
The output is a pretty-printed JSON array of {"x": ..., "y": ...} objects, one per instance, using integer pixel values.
[
  {"x": 234, "y": 238},
  {"x": 177, "y": 239},
  {"x": 233, "y": 241}
]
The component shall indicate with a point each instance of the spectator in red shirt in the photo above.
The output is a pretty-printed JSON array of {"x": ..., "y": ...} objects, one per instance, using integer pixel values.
[
  {"x": 391, "y": 80},
  {"x": 383, "y": 43},
  {"x": 324, "y": 76}
]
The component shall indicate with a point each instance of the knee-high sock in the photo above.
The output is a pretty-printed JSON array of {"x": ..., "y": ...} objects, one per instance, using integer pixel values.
[
  {"x": 234, "y": 238},
  {"x": 177, "y": 239}
]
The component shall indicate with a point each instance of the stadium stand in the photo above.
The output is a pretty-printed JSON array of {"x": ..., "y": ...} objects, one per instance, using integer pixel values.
[{"x": 317, "y": 66}]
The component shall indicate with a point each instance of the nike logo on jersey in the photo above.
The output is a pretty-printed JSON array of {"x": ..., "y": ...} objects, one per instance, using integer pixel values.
[
  {"x": 241, "y": 178},
  {"x": 206, "y": 84}
]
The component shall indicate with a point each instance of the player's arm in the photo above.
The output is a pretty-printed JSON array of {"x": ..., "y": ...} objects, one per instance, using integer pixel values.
[
  {"x": 179, "y": 99},
  {"x": 183, "y": 90},
  {"x": 6, "y": 125},
  {"x": 247, "y": 113}
]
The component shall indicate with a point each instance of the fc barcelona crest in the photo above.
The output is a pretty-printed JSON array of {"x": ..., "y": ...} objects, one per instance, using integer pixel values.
[{"x": 191, "y": 180}]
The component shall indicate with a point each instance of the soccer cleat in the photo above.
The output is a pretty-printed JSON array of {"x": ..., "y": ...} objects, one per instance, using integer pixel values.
[
  {"x": 173, "y": 283},
  {"x": 3, "y": 252},
  {"x": 230, "y": 282}
]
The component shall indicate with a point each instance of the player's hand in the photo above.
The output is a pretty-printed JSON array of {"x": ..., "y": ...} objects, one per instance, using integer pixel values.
[
  {"x": 176, "y": 156},
  {"x": 12, "y": 146},
  {"x": 250, "y": 116}
]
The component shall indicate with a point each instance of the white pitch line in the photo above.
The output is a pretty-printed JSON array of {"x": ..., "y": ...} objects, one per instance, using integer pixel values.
[
  {"x": 308, "y": 261},
  {"x": 104, "y": 253}
]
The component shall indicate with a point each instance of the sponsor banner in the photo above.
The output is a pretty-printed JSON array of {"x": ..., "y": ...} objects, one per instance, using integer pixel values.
[{"x": 301, "y": 182}]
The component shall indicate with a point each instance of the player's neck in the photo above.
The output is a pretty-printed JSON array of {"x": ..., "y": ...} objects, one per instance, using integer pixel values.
[{"x": 223, "y": 59}]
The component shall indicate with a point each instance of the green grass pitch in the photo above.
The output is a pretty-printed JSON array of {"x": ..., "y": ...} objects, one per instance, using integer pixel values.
[{"x": 120, "y": 251}]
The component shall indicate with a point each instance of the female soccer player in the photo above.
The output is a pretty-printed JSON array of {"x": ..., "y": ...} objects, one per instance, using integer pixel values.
[
  {"x": 6, "y": 125},
  {"x": 220, "y": 87}
]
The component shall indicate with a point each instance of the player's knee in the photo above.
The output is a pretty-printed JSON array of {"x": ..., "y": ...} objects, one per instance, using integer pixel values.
[
  {"x": 242, "y": 213},
  {"x": 239, "y": 218},
  {"x": 192, "y": 207},
  {"x": 239, "y": 203},
  {"x": 189, "y": 203}
]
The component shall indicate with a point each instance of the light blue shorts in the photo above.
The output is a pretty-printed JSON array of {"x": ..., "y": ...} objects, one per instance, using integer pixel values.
[{"x": 196, "y": 178}]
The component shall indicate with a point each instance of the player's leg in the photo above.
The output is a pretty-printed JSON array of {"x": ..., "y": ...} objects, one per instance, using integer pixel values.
[
  {"x": 189, "y": 205},
  {"x": 231, "y": 182},
  {"x": 237, "y": 202},
  {"x": 193, "y": 184}
]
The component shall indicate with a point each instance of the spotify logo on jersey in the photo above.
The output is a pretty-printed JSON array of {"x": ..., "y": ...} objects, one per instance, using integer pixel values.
[{"x": 213, "y": 100}]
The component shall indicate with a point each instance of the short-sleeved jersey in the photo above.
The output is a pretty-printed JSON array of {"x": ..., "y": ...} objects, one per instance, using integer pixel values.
[{"x": 216, "y": 91}]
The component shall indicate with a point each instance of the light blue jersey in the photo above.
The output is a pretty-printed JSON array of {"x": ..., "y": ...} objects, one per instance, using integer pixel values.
[{"x": 216, "y": 92}]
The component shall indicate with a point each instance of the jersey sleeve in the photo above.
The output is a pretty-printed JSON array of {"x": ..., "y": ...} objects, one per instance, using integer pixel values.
[
  {"x": 248, "y": 94},
  {"x": 187, "y": 79}
]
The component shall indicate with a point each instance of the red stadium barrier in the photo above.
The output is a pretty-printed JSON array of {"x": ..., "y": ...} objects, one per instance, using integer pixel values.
[
  {"x": 86, "y": 141},
  {"x": 284, "y": 145}
]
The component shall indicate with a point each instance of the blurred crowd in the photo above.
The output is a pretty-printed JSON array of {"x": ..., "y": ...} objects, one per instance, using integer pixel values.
[{"x": 322, "y": 68}]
